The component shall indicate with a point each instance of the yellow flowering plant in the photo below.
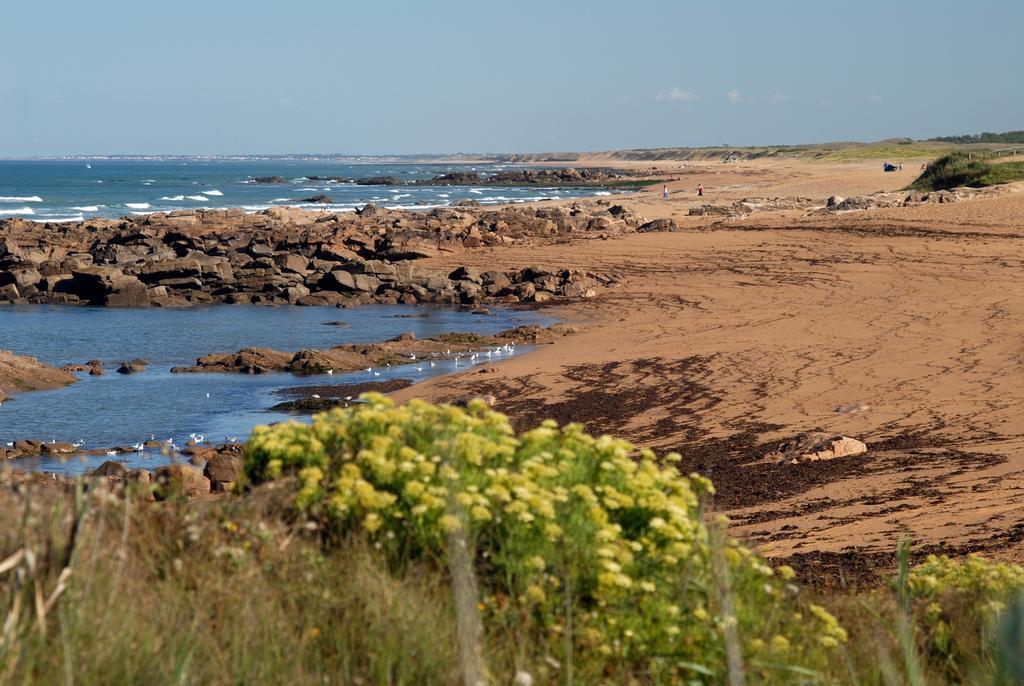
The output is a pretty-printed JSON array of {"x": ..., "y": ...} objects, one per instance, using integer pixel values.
[
  {"x": 576, "y": 540},
  {"x": 959, "y": 598}
]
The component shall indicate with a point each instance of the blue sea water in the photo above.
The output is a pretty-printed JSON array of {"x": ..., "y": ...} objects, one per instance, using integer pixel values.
[
  {"x": 117, "y": 409},
  {"x": 74, "y": 190}
]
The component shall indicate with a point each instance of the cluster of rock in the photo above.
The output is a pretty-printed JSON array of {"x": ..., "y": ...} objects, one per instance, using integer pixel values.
[
  {"x": 815, "y": 446},
  {"x": 741, "y": 208},
  {"x": 210, "y": 469},
  {"x": 404, "y": 349},
  {"x": 522, "y": 177},
  {"x": 834, "y": 204},
  {"x": 904, "y": 199},
  {"x": 286, "y": 255},
  {"x": 533, "y": 177}
]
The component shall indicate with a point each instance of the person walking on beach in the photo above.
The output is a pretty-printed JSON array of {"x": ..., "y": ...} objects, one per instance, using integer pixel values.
[
  {"x": 700, "y": 190},
  {"x": 664, "y": 192}
]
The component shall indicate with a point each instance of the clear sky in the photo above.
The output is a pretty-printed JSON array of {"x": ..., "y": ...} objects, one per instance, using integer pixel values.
[{"x": 254, "y": 76}]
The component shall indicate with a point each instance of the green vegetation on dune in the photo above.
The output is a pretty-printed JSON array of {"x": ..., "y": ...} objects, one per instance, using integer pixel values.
[
  {"x": 432, "y": 545},
  {"x": 894, "y": 149},
  {"x": 964, "y": 169},
  {"x": 987, "y": 137}
]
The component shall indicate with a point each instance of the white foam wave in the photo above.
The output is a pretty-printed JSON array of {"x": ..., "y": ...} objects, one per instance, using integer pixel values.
[
  {"x": 58, "y": 220},
  {"x": 137, "y": 205},
  {"x": 281, "y": 200},
  {"x": 141, "y": 214},
  {"x": 602, "y": 193},
  {"x": 87, "y": 208},
  {"x": 213, "y": 193},
  {"x": 20, "y": 210},
  {"x": 198, "y": 198},
  {"x": 304, "y": 190},
  {"x": 20, "y": 198},
  {"x": 173, "y": 198},
  {"x": 412, "y": 207},
  {"x": 442, "y": 195},
  {"x": 476, "y": 190}
]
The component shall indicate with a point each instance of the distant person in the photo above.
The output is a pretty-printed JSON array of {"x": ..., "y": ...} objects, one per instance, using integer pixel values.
[
  {"x": 664, "y": 192},
  {"x": 700, "y": 190}
]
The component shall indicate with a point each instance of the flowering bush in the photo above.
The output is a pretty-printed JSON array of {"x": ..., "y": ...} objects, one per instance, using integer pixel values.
[
  {"x": 960, "y": 598},
  {"x": 577, "y": 540}
]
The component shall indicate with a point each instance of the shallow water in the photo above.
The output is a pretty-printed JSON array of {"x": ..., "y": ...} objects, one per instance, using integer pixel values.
[
  {"x": 74, "y": 190},
  {"x": 117, "y": 409}
]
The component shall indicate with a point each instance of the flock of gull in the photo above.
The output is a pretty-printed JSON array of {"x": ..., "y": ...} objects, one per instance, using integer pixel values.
[{"x": 472, "y": 356}]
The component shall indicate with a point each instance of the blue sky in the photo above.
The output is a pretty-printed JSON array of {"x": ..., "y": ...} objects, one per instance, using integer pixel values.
[{"x": 227, "y": 76}]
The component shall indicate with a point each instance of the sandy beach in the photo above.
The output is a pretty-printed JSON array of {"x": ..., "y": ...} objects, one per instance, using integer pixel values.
[{"x": 729, "y": 336}]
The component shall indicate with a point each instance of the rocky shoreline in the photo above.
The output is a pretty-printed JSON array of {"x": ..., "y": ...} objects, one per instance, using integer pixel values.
[
  {"x": 291, "y": 256},
  {"x": 525, "y": 177},
  {"x": 405, "y": 349}
]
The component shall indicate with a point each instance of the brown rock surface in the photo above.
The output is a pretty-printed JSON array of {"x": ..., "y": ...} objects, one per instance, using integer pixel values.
[{"x": 20, "y": 373}]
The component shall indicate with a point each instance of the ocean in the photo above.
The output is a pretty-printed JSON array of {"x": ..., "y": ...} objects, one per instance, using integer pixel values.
[{"x": 79, "y": 189}]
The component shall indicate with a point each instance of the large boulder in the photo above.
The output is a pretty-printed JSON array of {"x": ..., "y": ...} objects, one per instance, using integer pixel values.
[
  {"x": 100, "y": 285},
  {"x": 180, "y": 480},
  {"x": 111, "y": 468},
  {"x": 223, "y": 470}
]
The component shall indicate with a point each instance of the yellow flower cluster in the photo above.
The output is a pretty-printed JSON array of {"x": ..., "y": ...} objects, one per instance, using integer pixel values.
[
  {"x": 550, "y": 512},
  {"x": 945, "y": 587}
]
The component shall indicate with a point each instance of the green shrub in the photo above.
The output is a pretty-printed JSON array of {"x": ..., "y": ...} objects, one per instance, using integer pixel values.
[
  {"x": 960, "y": 603},
  {"x": 961, "y": 169},
  {"x": 581, "y": 546}
]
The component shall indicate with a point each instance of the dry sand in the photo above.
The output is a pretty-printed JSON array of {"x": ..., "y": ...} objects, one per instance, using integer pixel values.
[{"x": 731, "y": 335}]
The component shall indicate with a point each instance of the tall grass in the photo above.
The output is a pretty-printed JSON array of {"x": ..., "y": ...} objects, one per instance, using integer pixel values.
[{"x": 965, "y": 169}]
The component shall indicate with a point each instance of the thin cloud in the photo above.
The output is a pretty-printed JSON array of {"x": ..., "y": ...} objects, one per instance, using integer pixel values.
[
  {"x": 677, "y": 94},
  {"x": 734, "y": 97},
  {"x": 779, "y": 99},
  {"x": 874, "y": 98}
]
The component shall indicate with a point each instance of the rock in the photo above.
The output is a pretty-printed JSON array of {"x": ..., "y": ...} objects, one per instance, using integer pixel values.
[
  {"x": 107, "y": 286},
  {"x": 180, "y": 480},
  {"x": 377, "y": 181},
  {"x": 659, "y": 225},
  {"x": 58, "y": 449},
  {"x": 29, "y": 447},
  {"x": 21, "y": 373},
  {"x": 270, "y": 179},
  {"x": 320, "y": 199},
  {"x": 111, "y": 468},
  {"x": 815, "y": 446},
  {"x": 224, "y": 471},
  {"x": 131, "y": 367},
  {"x": 839, "y": 446}
]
